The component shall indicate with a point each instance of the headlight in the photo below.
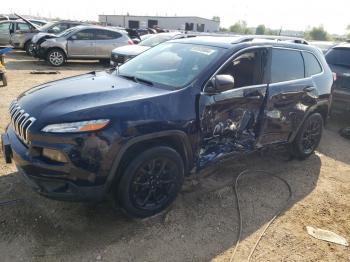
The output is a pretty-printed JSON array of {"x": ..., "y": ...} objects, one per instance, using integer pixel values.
[{"x": 76, "y": 127}]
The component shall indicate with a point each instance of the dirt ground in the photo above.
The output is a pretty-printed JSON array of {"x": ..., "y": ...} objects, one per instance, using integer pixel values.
[{"x": 202, "y": 225}]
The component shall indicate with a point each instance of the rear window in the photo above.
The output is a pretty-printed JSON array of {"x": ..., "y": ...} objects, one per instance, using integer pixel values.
[
  {"x": 312, "y": 66},
  {"x": 339, "y": 56},
  {"x": 286, "y": 65}
]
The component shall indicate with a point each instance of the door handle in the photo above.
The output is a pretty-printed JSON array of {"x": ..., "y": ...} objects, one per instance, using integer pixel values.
[{"x": 309, "y": 89}]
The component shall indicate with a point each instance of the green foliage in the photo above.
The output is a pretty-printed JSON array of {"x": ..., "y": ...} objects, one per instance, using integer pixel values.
[
  {"x": 260, "y": 30},
  {"x": 216, "y": 18},
  {"x": 317, "y": 33},
  {"x": 240, "y": 27}
]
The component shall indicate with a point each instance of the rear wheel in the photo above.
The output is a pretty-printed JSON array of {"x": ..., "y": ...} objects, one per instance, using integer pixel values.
[
  {"x": 56, "y": 57},
  {"x": 151, "y": 182},
  {"x": 308, "y": 137}
]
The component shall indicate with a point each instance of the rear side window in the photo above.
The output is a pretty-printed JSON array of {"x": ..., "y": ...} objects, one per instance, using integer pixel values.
[
  {"x": 312, "y": 66},
  {"x": 286, "y": 65},
  {"x": 87, "y": 34},
  {"x": 4, "y": 27},
  {"x": 339, "y": 56},
  {"x": 106, "y": 35}
]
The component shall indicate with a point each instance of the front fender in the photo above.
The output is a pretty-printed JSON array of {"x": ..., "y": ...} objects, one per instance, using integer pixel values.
[{"x": 189, "y": 158}]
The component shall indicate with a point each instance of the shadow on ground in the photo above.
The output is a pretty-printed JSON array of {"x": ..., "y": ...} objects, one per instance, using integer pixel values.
[
  {"x": 201, "y": 224},
  {"x": 337, "y": 147}
]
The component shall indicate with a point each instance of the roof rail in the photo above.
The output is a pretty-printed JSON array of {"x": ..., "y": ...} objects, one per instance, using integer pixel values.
[{"x": 249, "y": 38}]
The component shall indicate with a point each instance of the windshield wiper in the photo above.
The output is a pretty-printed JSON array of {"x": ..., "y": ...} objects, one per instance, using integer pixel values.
[
  {"x": 137, "y": 79},
  {"x": 140, "y": 80}
]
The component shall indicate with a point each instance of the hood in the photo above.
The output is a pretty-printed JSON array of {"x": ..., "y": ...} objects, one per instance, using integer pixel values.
[
  {"x": 41, "y": 35},
  {"x": 83, "y": 95},
  {"x": 130, "y": 50}
]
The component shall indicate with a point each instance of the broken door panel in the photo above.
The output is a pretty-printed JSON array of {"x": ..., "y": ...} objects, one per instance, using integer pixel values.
[{"x": 228, "y": 122}]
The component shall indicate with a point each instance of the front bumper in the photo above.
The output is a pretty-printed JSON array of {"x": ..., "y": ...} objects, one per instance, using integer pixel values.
[
  {"x": 48, "y": 179},
  {"x": 38, "y": 51}
]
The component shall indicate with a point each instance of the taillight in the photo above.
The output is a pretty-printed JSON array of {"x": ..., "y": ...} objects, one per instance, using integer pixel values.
[
  {"x": 130, "y": 42},
  {"x": 334, "y": 76}
]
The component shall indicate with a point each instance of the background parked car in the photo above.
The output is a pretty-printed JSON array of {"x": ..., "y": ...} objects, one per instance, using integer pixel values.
[
  {"x": 323, "y": 45},
  {"x": 82, "y": 42},
  {"x": 338, "y": 59},
  {"x": 121, "y": 54},
  {"x": 9, "y": 26},
  {"x": 22, "y": 39}
]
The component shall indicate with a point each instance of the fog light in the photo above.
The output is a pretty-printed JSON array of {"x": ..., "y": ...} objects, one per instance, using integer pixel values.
[{"x": 54, "y": 155}]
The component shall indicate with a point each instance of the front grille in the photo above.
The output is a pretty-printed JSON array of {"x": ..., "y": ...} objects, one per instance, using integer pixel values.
[{"x": 20, "y": 121}]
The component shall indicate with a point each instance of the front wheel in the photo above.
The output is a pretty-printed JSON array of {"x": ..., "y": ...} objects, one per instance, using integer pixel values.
[
  {"x": 151, "y": 182},
  {"x": 56, "y": 57},
  {"x": 308, "y": 137},
  {"x": 28, "y": 47}
]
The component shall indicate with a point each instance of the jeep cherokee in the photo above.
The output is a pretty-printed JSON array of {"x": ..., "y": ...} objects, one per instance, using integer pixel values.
[{"x": 133, "y": 133}]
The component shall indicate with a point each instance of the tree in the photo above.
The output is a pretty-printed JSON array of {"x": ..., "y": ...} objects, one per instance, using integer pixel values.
[
  {"x": 240, "y": 28},
  {"x": 260, "y": 30},
  {"x": 317, "y": 33},
  {"x": 216, "y": 18}
]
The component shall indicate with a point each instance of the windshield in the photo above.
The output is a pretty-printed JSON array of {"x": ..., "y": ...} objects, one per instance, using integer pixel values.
[
  {"x": 339, "y": 56},
  {"x": 48, "y": 25},
  {"x": 171, "y": 64},
  {"x": 155, "y": 40},
  {"x": 66, "y": 32}
]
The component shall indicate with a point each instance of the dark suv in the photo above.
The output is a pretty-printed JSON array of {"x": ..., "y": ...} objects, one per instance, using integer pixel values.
[
  {"x": 338, "y": 59},
  {"x": 133, "y": 133}
]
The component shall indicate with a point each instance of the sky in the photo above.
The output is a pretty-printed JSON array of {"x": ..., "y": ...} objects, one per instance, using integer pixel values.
[{"x": 292, "y": 15}]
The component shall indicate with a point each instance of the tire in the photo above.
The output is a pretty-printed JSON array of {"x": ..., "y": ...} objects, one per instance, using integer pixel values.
[
  {"x": 4, "y": 80},
  {"x": 56, "y": 57},
  {"x": 28, "y": 48},
  {"x": 150, "y": 182},
  {"x": 308, "y": 137}
]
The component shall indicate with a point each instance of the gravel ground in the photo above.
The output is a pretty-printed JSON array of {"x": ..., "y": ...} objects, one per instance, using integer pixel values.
[{"x": 202, "y": 225}]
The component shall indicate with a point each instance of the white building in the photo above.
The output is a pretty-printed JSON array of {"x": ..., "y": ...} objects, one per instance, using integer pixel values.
[{"x": 188, "y": 23}]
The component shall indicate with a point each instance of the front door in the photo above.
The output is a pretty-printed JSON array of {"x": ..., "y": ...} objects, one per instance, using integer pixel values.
[
  {"x": 229, "y": 120},
  {"x": 82, "y": 44}
]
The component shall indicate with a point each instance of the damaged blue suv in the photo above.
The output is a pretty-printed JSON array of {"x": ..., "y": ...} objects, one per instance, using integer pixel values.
[{"x": 133, "y": 133}]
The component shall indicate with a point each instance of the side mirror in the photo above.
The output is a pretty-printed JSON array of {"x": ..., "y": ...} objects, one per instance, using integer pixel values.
[
  {"x": 220, "y": 83},
  {"x": 73, "y": 37}
]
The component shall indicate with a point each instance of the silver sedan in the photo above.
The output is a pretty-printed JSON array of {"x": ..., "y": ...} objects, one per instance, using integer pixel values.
[{"x": 82, "y": 42}]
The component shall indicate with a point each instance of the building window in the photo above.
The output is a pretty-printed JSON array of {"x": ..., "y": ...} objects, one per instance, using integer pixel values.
[
  {"x": 133, "y": 24},
  {"x": 200, "y": 27},
  {"x": 152, "y": 23},
  {"x": 189, "y": 27}
]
